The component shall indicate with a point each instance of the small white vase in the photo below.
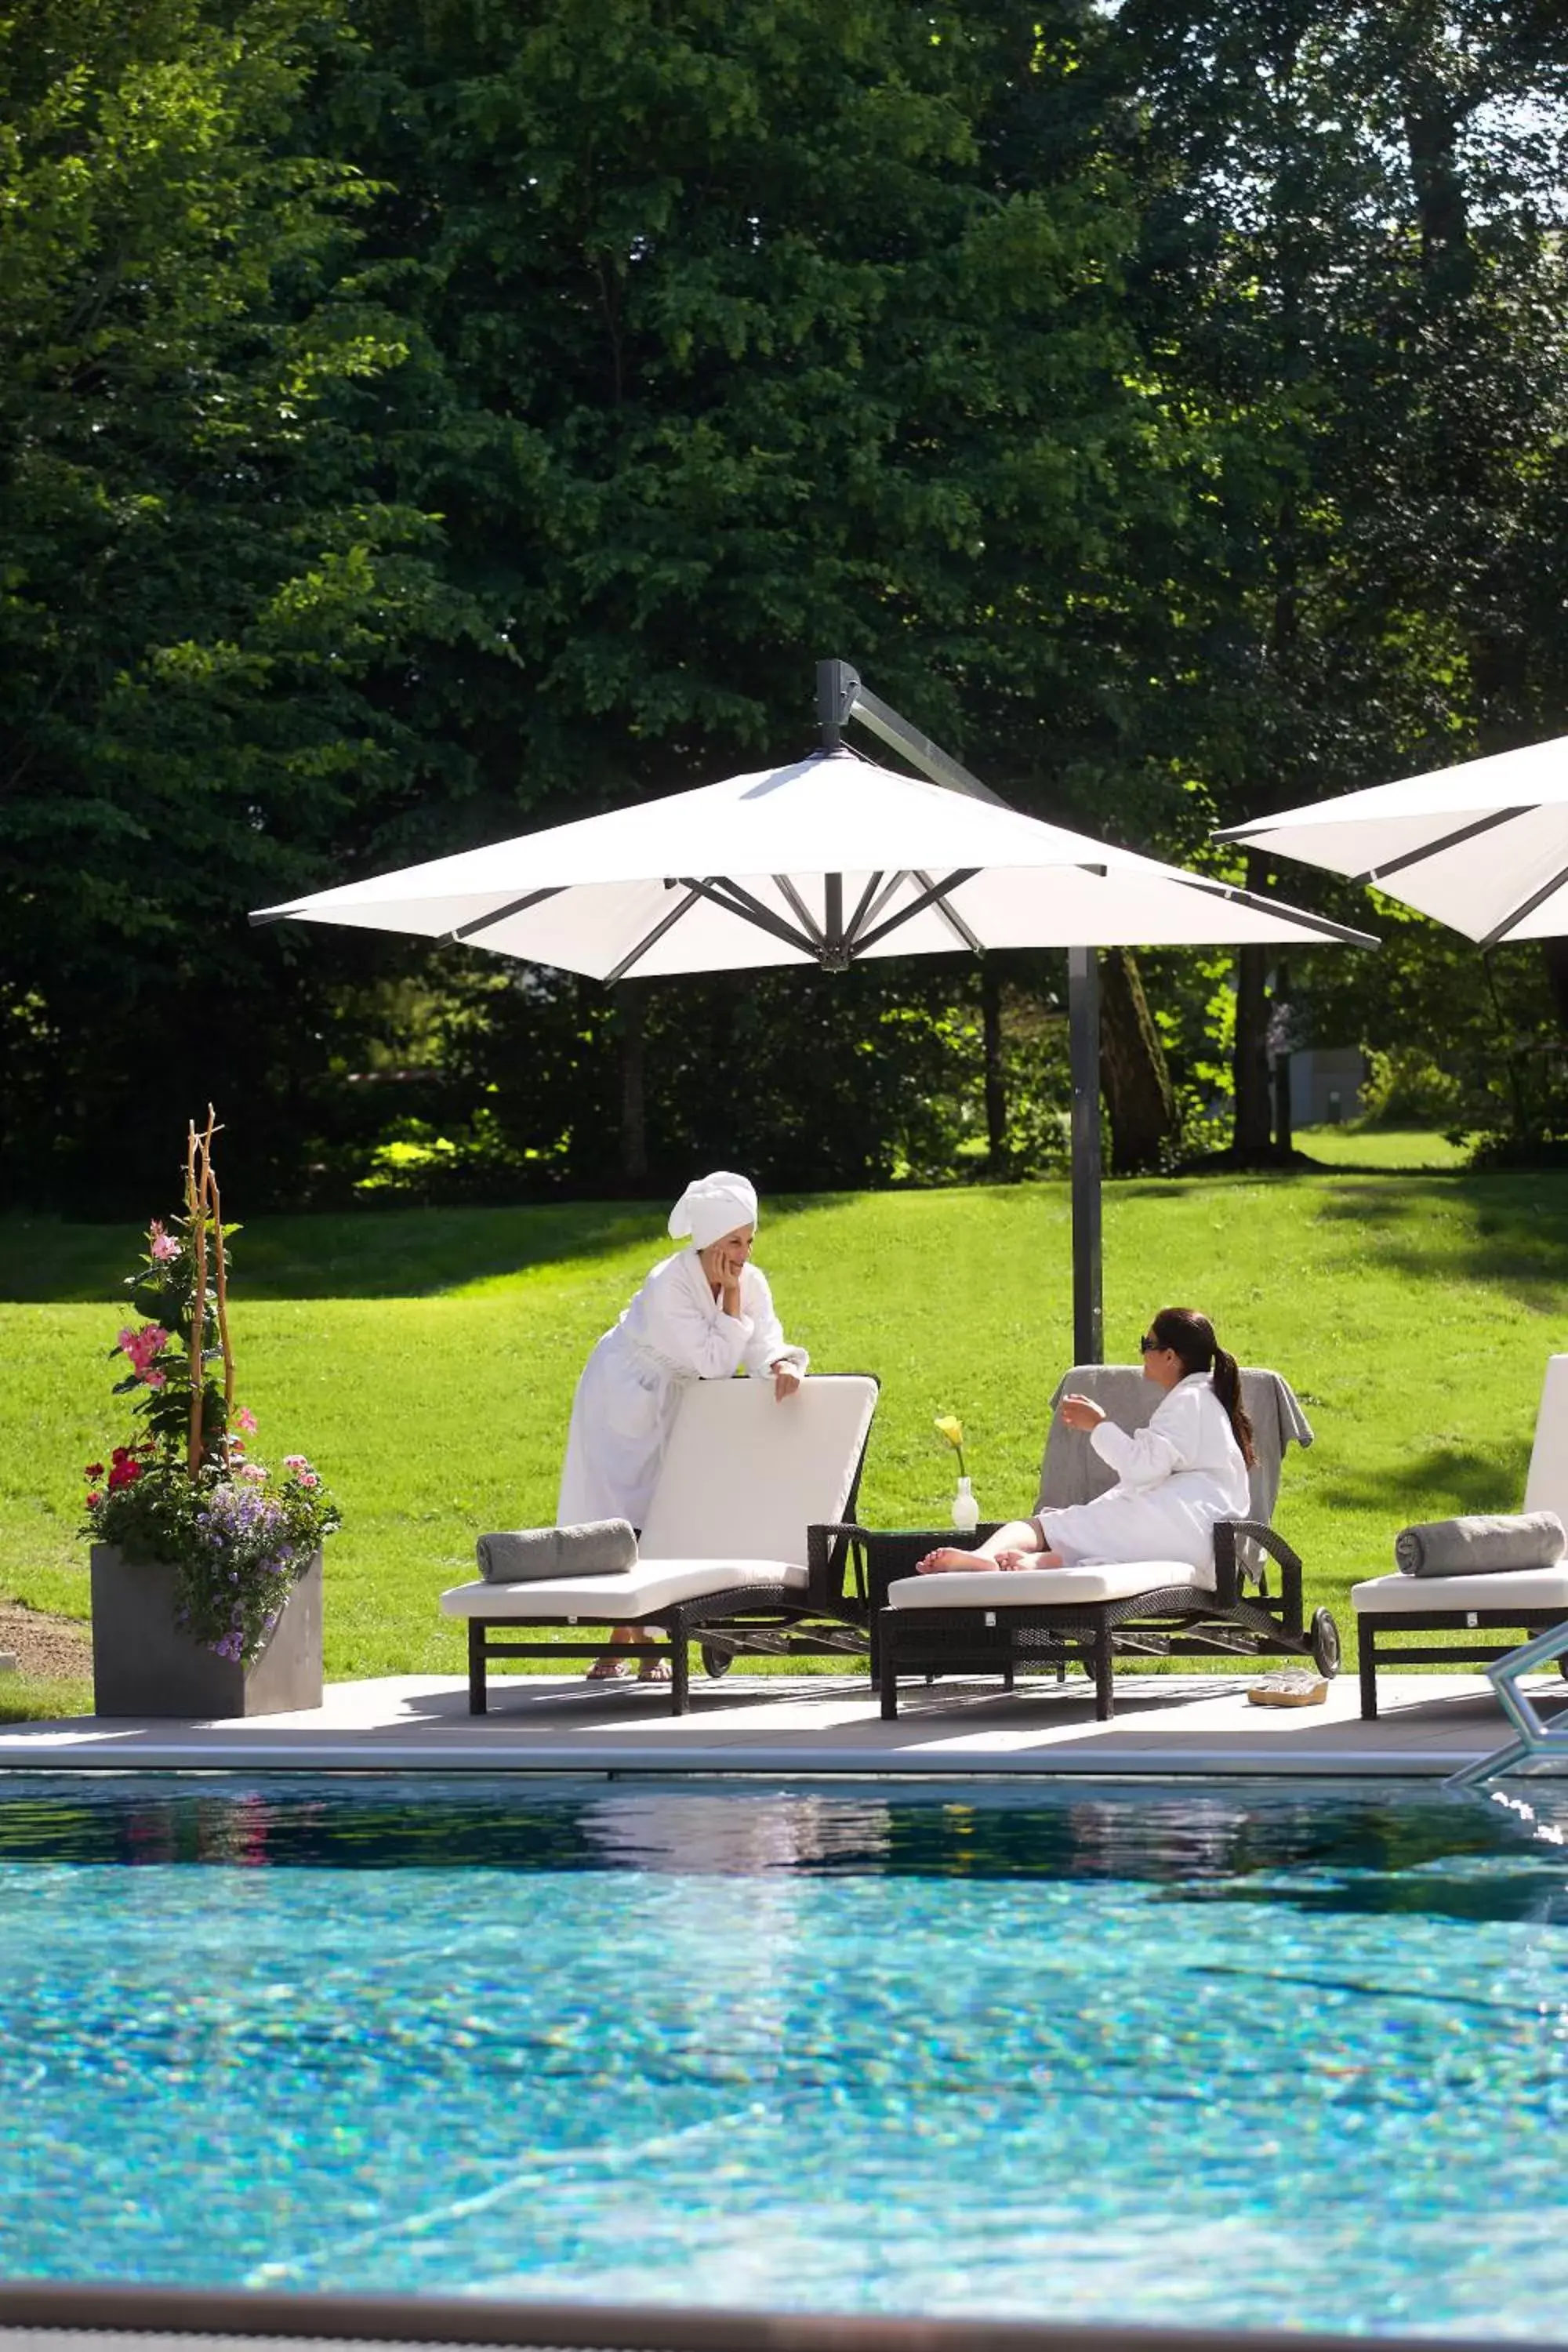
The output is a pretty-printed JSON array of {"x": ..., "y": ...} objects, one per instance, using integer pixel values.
[{"x": 965, "y": 1510}]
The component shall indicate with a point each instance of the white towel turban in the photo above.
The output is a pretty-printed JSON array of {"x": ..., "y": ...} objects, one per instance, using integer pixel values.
[{"x": 711, "y": 1207}]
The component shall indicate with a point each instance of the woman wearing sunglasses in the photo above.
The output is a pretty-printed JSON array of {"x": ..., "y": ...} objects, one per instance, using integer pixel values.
[{"x": 1174, "y": 1479}]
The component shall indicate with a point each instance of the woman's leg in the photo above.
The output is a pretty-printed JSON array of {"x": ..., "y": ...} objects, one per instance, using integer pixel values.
[{"x": 1008, "y": 1546}]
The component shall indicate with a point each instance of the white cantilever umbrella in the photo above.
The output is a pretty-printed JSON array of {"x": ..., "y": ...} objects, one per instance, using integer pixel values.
[
  {"x": 1483, "y": 846},
  {"x": 825, "y": 861}
]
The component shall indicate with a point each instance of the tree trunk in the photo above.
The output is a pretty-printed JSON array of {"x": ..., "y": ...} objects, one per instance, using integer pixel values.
[
  {"x": 631, "y": 1008},
  {"x": 1279, "y": 1037},
  {"x": 995, "y": 1083},
  {"x": 1133, "y": 1071},
  {"x": 1253, "y": 1139},
  {"x": 1555, "y": 955}
]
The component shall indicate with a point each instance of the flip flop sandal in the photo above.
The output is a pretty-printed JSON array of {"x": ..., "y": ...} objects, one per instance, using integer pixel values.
[
  {"x": 653, "y": 1670},
  {"x": 609, "y": 1670}
]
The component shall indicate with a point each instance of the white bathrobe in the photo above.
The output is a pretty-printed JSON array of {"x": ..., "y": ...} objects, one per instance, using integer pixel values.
[
  {"x": 1173, "y": 1480},
  {"x": 674, "y": 1331}
]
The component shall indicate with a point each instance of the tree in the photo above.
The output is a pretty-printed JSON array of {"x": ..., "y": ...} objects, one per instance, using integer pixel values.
[{"x": 198, "y": 568}]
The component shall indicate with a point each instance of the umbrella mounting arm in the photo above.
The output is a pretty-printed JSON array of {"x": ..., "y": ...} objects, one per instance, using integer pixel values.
[{"x": 841, "y": 696}]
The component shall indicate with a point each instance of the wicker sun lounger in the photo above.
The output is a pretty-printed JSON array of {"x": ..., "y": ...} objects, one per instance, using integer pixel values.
[
  {"x": 1044, "y": 1619},
  {"x": 724, "y": 1560},
  {"x": 1498, "y": 1612}
]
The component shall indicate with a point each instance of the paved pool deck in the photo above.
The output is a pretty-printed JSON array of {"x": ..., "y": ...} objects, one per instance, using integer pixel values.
[{"x": 776, "y": 1724}]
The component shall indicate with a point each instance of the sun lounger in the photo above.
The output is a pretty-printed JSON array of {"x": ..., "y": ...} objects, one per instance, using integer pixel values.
[
  {"x": 1502, "y": 1610},
  {"x": 723, "y": 1559},
  {"x": 981, "y": 1623}
]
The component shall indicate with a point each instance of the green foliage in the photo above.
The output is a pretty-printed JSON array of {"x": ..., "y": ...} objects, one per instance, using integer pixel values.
[{"x": 1405, "y": 1088}]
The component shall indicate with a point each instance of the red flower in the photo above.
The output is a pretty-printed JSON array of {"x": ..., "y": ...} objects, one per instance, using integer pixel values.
[
  {"x": 124, "y": 1474},
  {"x": 92, "y": 1499},
  {"x": 93, "y": 1470}
]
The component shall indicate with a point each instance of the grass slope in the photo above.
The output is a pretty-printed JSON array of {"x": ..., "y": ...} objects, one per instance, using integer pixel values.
[{"x": 425, "y": 1361}]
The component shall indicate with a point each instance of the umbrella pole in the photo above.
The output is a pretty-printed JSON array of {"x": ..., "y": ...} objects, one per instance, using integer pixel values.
[{"x": 1083, "y": 1040}]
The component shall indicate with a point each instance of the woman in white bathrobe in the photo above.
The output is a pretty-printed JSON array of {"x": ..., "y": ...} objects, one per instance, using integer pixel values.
[
  {"x": 701, "y": 1315},
  {"x": 1174, "y": 1479}
]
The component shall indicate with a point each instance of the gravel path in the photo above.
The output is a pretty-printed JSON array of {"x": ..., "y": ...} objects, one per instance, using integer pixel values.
[{"x": 50, "y": 1648}]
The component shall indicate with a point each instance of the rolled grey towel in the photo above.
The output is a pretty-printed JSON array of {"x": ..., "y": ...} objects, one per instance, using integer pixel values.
[
  {"x": 530, "y": 1555},
  {"x": 1480, "y": 1546}
]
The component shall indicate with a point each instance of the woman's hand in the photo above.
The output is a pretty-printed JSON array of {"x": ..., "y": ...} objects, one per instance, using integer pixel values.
[
  {"x": 723, "y": 1263},
  {"x": 1081, "y": 1413},
  {"x": 786, "y": 1379}
]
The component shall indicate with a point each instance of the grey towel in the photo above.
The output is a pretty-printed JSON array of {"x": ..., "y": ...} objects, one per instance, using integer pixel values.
[
  {"x": 1072, "y": 1471},
  {"x": 530, "y": 1555},
  {"x": 1480, "y": 1546}
]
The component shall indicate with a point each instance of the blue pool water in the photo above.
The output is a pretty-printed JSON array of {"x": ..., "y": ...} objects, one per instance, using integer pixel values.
[{"x": 1224, "y": 2052}]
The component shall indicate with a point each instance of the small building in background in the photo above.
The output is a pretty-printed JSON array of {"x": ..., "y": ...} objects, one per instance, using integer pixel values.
[{"x": 1326, "y": 1084}]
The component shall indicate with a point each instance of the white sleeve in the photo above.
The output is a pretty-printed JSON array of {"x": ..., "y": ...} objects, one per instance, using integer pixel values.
[
  {"x": 681, "y": 1326},
  {"x": 1149, "y": 1455},
  {"x": 767, "y": 1345}
]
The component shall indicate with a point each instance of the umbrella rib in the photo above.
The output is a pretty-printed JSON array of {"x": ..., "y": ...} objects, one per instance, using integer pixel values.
[
  {"x": 739, "y": 902},
  {"x": 503, "y": 914},
  {"x": 928, "y": 897},
  {"x": 1436, "y": 849},
  {"x": 1494, "y": 938},
  {"x": 786, "y": 889},
  {"x": 651, "y": 939},
  {"x": 864, "y": 914},
  {"x": 955, "y": 922},
  {"x": 1277, "y": 907},
  {"x": 858, "y": 917}
]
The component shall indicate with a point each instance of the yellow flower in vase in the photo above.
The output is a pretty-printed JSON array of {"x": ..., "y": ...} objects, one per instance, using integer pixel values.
[{"x": 949, "y": 1426}]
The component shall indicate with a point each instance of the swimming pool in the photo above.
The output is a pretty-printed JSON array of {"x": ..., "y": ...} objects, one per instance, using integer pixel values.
[{"x": 1227, "y": 2053}]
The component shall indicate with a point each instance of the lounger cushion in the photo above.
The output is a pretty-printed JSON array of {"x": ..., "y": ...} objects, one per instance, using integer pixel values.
[
  {"x": 622, "y": 1600},
  {"x": 1034, "y": 1588},
  {"x": 1519, "y": 1588}
]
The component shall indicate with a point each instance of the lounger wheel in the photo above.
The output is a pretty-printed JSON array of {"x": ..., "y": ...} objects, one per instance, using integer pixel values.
[
  {"x": 1325, "y": 1638},
  {"x": 715, "y": 1662}
]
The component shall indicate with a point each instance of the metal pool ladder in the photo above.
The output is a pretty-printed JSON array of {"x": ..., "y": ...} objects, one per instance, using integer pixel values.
[{"x": 1536, "y": 1741}]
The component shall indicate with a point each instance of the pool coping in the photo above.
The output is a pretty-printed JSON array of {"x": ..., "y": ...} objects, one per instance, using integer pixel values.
[{"x": 821, "y": 1727}]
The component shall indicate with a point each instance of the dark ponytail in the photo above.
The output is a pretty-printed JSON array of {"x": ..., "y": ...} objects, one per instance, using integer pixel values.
[{"x": 1190, "y": 1337}]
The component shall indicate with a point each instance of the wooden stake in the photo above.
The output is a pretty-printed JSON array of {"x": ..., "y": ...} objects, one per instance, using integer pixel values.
[
  {"x": 195, "y": 1213},
  {"x": 221, "y": 1276}
]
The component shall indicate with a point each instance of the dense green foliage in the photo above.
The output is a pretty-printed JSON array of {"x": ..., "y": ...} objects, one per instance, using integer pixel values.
[{"x": 420, "y": 419}]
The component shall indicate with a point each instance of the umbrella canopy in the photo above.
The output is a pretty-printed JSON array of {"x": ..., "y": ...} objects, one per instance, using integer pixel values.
[
  {"x": 827, "y": 860},
  {"x": 1483, "y": 846}
]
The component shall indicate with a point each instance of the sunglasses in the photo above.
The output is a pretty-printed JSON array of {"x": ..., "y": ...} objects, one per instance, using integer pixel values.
[{"x": 1149, "y": 1346}]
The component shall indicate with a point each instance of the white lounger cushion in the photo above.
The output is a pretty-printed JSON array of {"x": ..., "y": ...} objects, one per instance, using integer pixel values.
[
  {"x": 1517, "y": 1588},
  {"x": 1521, "y": 1587},
  {"x": 1034, "y": 1588},
  {"x": 621, "y": 1600},
  {"x": 743, "y": 1478}
]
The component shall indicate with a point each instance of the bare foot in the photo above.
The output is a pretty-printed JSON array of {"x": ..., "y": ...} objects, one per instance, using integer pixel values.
[{"x": 945, "y": 1557}]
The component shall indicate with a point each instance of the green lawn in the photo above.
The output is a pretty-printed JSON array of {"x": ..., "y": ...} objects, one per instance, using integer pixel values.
[
  {"x": 425, "y": 1359},
  {"x": 1402, "y": 1150}
]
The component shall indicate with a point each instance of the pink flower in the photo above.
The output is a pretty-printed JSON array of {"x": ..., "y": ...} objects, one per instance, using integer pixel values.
[
  {"x": 253, "y": 1471},
  {"x": 156, "y": 1379},
  {"x": 309, "y": 1478},
  {"x": 161, "y": 1246},
  {"x": 143, "y": 1346},
  {"x": 295, "y": 1461},
  {"x": 245, "y": 1419}
]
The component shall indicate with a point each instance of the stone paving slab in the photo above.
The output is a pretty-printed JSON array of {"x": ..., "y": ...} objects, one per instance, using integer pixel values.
[{"x": 1429, "y": 1725}]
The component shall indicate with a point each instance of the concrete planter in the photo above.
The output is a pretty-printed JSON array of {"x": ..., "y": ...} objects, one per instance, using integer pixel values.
[{"x": 143, "y": 1665}]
